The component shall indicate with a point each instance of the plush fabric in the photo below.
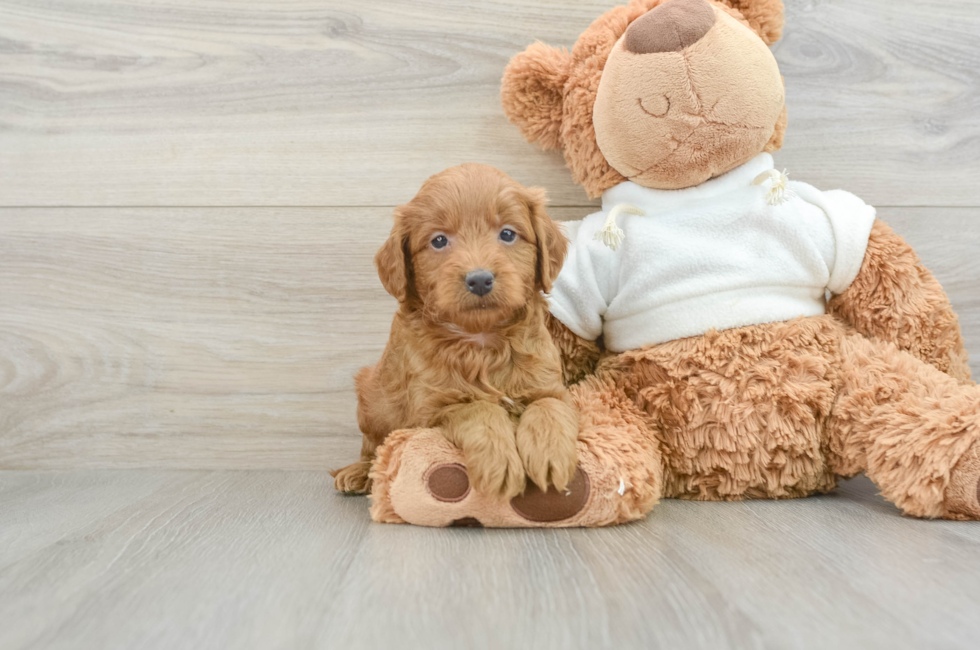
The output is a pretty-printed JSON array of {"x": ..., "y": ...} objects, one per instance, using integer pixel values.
[
  {"x": 669, "y": 27},
  {"x": 879, "y": 383},
  {"x": 963, "y": 493},
  {"x": 549, "y": 93},
  {"x": 405, "y": 465},
  {"x": 714, "y": 256},
  {"x": 895, "y": 298}
]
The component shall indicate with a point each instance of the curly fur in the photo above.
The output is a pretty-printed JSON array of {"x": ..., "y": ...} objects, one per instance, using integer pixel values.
[
  {"x": 469, "y": 364},
  {"x": 782, "y": 410}
]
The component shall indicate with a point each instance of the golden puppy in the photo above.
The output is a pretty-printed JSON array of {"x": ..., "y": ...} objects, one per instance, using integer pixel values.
[{"x": 469, "y": 353}]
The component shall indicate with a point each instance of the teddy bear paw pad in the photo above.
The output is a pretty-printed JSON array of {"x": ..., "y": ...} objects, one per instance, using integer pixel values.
[
  {"x": 466, "y": 522},
  {"x": 543, "y": 507},
  {"x": 448, "y": 483}
]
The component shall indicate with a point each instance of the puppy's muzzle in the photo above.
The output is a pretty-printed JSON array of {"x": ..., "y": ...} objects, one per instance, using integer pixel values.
[{"x": 479, "y": 281}]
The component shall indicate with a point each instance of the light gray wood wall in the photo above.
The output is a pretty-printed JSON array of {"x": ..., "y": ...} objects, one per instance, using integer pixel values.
[{"x": 191, "y": 193}]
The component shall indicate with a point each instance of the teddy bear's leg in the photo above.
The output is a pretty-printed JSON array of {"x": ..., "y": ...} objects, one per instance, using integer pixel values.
[
  {"x": 915, "y": 431},
  {"x": 619, "y": 437},
  {"x": 421, "y": 478}
]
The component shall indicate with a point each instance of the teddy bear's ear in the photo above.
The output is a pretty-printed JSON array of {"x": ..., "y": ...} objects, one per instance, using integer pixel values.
[
  {"x": 532, "y": 91},
  {"x": 765, "y": 17}
]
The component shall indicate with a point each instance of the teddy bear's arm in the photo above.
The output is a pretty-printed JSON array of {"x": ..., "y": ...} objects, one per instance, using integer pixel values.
[
  {"x": 896, "y": 298},
  {"x": 578, "y": 356}
]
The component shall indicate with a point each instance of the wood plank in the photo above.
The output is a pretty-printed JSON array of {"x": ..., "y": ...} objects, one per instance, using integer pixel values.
[
  {"x": 228, "y": 338},
  {"x": 35, "y": 512},
  {"x": 261, "y": 559},
  {"x": 878, "y": 93},
  {"x": 214, "y": 560},
  {"x": 175, "y": 337},
  {"x": 300, "y": 102}
]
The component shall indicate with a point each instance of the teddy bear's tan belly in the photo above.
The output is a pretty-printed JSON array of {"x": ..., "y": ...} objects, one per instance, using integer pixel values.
[{"x": 743, "y": 412}]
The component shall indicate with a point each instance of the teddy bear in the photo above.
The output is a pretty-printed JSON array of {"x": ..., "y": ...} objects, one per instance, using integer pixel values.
[{"x": 727, "y": 333}]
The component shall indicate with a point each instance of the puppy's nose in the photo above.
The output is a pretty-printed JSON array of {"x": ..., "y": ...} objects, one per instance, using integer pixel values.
[
  {"x": 670, "y": 27},
  {"x": 479, "y": 282}
]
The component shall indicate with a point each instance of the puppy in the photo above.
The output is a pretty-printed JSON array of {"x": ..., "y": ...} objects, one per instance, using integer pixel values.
[{"x": 469, "y": 353}]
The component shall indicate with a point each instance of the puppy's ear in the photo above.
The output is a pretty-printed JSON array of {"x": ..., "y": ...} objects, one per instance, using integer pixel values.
[
  {"x": 549, "y": 238},
  {"x": 394, "y": 261},
  {"x": 532, "y": 90},
  {"x": 765, "y": 17}
]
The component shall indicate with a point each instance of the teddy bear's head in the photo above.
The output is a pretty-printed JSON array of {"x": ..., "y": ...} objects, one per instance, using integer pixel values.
[{"x": 665, "y": 93}]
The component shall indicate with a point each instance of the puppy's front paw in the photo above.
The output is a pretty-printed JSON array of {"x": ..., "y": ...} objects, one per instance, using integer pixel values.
[
  {"x": 353, "y": 479},
  {"x": 495, "y": 468},
  {"x": 546, "y": 437},
  {"x": 485, "y": 433}
]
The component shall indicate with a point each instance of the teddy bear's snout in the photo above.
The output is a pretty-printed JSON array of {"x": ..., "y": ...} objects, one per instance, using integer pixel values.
[{"x": 670, "y": 27}]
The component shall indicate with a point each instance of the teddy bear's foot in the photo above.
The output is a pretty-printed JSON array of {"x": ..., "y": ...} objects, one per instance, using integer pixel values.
[
  {"x": 449, "y": 483},
  {"x": 421, "y": 478},
  {"x": 553, "y": 505},
  {"x": 963, "y": 492}
]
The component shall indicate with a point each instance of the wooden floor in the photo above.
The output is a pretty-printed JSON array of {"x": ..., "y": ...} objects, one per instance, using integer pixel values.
[
  {"x": 190, "y": 195},
  {"x": 272, "y": 559}
]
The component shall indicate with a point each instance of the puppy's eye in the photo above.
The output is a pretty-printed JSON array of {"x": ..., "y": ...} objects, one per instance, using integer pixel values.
[
  {"x": 439, "y": 241},
  {"x": 508, "y": 236}
]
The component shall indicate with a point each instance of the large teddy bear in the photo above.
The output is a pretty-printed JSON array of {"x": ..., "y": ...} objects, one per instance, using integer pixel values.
[{"x": 729, "y": 334}]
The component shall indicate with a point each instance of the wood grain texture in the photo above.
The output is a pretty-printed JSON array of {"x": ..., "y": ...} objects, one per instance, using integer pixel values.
[
  {"x": 262, "y": 559},
  {"x": 228, "y": 338},
  {"x": 214, "y": 338},
  {"x": 305, "y": 102}
]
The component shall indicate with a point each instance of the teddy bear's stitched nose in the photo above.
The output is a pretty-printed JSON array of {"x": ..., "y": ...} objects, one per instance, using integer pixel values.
[{"x": 670, "y": 27}]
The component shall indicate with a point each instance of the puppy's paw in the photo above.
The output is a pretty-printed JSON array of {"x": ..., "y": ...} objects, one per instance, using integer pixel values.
[
  {"x": 495, "y": 468},
  {"x": 546, "y": 437},
  {"x": 353, "y": 479}
]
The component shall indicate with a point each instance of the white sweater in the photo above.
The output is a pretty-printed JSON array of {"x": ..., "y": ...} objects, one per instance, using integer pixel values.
[{"x": 715, "y": 256}]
